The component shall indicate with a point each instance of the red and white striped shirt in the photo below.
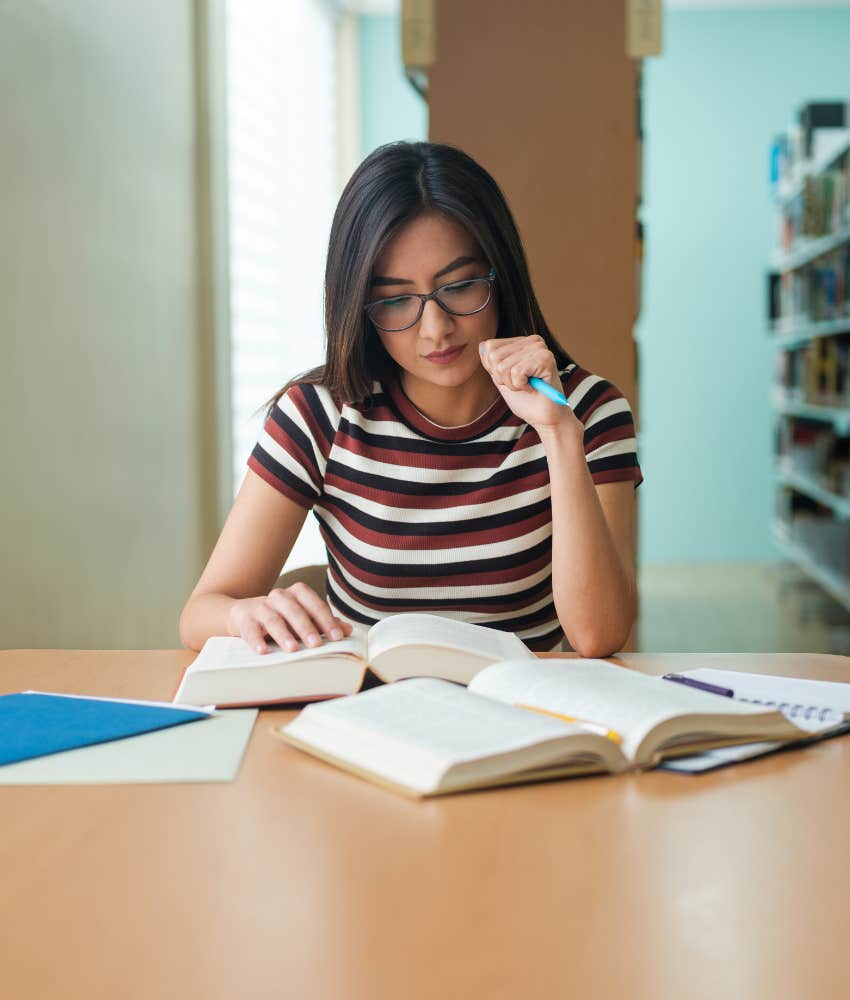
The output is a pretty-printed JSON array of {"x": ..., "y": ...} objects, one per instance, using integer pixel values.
[{"x": 454, "y": 521}]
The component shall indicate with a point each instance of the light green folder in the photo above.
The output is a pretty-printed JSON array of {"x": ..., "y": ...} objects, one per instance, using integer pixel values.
[{"x": 207, "y": 750}]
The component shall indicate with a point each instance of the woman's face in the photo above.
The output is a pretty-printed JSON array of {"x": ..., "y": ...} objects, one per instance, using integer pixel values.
[{"x": 441, "y": 349}]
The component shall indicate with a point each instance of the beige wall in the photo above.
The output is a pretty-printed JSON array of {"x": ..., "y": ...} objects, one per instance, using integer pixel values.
[{"x": 105, "y": 323}]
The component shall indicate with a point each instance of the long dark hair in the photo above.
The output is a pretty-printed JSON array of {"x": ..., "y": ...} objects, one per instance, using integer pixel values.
[{"x": 393, "y": 185}]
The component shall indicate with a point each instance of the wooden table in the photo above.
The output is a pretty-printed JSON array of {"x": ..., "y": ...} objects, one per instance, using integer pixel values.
[{"x": 300, "y": 881}]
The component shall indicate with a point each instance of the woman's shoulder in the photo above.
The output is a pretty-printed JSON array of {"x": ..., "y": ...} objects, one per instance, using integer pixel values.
[
  {"x": 305, "y": 409},
  {"x": 309, "y": 397},
  {"x": 312, "y": 400},
  {"x": 610, "y": 439}
]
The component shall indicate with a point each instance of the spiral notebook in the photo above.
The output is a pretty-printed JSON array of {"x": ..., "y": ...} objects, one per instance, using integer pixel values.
[{"x": 821, "y": 708}]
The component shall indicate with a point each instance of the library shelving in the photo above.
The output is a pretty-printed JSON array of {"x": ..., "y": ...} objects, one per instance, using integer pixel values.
[{"x": 809, "y": 325}]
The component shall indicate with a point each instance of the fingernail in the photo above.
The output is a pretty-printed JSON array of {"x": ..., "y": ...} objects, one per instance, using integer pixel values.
[
  {"x": 482, "y": 348},
  {"x": 336, "y": 633},
  {"x": 291, "y": 645},
  {"x": 260, "y": 647},
  {"x": 313, "y": 639}
]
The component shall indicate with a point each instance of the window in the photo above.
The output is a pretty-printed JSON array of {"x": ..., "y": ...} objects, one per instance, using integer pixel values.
[{"x": 282, "y": 189}]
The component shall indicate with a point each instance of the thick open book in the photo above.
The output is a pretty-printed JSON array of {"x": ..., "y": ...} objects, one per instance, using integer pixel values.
[
  {"x": 427, "y": 737},
  {"x": 228, "y": 673}
]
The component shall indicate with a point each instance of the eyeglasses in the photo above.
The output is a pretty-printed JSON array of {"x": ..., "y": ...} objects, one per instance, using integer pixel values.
[{"x": 460, "y": 298}]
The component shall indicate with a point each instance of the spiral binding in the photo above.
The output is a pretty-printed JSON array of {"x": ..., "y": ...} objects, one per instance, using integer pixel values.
[{"x": 794, "y": 712}]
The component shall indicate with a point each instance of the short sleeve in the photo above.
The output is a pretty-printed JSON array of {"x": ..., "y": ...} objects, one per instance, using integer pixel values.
[
  {"x": 610, "y": 441},
  {"x": 293, "y": 447}
]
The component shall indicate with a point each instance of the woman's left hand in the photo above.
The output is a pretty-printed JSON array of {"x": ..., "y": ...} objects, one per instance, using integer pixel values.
[{"x": 511, "y": 362}]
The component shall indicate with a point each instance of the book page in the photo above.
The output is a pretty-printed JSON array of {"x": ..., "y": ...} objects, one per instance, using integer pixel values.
[
  {"x": 228, "y": 653},
  {"x": 614, "y": 697},
  {"x": 412, "y": 732},
  {"x": 440, "y": 718},
  {"x": 447, "y": 633}
]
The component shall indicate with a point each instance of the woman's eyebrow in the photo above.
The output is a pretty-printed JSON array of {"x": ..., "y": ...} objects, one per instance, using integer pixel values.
[{"x": 455, "y": 264}]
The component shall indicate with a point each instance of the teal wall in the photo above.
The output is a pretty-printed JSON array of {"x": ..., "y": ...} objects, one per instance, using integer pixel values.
[
  {"x": 390, "y": 108},
  {"x": 725, "y": 84}
]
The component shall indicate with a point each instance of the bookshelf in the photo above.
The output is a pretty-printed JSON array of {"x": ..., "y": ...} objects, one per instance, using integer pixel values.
[{"x": 809, "y": 325}]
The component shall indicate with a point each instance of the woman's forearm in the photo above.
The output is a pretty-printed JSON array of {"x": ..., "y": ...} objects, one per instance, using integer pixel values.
[
  {"x": 205, "y": 615},
  {"x": 593, "y": 591}
]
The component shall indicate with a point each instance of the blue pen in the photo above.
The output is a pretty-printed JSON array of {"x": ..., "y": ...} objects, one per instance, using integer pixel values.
[{"x": 547, "y": 390}]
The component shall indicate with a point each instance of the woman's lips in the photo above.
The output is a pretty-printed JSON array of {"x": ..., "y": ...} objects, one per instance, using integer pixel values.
[{"x": 446, "y": 357}]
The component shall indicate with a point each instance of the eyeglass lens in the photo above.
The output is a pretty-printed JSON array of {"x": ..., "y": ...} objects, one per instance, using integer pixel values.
[{"x": 460, "y": 298}]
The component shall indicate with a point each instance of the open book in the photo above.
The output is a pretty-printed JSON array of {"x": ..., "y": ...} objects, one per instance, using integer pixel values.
[
  {"x": 228, "y": 673},
  {"x": 427, "y": 737}
]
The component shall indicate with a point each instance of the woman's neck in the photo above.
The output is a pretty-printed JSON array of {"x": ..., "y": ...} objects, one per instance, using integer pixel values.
[{"x": 451, "y": 406}]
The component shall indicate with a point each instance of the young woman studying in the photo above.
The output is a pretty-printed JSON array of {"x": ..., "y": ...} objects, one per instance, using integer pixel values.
[{"x": 441, "y": 480}]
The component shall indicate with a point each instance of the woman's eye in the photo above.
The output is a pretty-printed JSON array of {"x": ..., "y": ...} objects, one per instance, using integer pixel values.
[
  {"x": 460, "y": 286},
  {"x": 400, "y": 302}
]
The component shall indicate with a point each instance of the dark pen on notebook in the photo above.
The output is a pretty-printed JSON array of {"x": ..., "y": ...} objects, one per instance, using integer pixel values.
[{"x": 700, "y": 685}]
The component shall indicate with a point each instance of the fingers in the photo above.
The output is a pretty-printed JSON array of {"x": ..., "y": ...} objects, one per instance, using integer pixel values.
[
  {"x": 275, "y": 626},
  {"x": 512, "y": 361},
  {"x": 298, "y": 613},
  {"x": 287, "y": 617},
  {"x": 254, "y": 635},
  {"x": 306, "y": 613}
]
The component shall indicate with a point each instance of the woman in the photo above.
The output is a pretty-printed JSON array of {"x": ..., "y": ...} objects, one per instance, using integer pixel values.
[{"x": 442, "y": 482}]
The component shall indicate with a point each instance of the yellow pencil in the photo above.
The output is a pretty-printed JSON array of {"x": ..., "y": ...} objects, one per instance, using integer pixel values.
[{"x": 595, "y": 726}]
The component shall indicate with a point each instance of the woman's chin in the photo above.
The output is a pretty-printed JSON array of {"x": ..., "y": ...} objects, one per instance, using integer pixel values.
[{"x": 455, "y": 375}]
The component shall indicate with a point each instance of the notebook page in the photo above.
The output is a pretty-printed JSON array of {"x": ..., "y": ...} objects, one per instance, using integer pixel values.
[
  {"x": 811, "y": 705},
  {"x": 623, "y": 700}
]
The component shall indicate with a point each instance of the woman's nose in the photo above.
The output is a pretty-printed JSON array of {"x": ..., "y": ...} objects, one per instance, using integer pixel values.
[{"x": 435, "y": 323}]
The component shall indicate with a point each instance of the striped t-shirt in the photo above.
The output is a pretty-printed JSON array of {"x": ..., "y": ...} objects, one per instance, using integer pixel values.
[{"x": 455, "y": 521}]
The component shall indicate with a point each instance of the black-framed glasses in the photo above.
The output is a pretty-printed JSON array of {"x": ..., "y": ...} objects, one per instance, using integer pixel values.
[{"x": 459, "y": 298}]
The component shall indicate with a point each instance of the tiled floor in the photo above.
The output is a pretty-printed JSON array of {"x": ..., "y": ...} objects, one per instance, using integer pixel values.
[{"x": 737, "y": 608}]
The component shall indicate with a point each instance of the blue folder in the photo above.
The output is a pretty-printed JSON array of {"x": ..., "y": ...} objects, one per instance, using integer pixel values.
[{"x": 33, "y": 724}]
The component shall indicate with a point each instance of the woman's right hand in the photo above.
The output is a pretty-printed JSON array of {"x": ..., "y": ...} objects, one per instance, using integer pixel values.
[{"x": 288, "y": 616}]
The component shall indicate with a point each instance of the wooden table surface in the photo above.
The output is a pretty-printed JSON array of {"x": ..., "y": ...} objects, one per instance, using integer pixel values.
[{"x": 300, "y": 881}]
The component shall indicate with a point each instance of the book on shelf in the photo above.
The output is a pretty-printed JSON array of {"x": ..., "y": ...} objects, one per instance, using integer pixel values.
[
  {"x": 228, "y": 673},
  {"x": 814, "y": 456},
  {"x": 524, "y": 720},
  {"x": 816, "y": 293},
  {"x": 814, "y": 115},
  {"x": 824, "y": 539},
  {"x": 816, "y": 373},
  {"x": 819, "y": 138},
  {"x": 816, "y": 142},
  {"x": 814, "y": 191}
]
